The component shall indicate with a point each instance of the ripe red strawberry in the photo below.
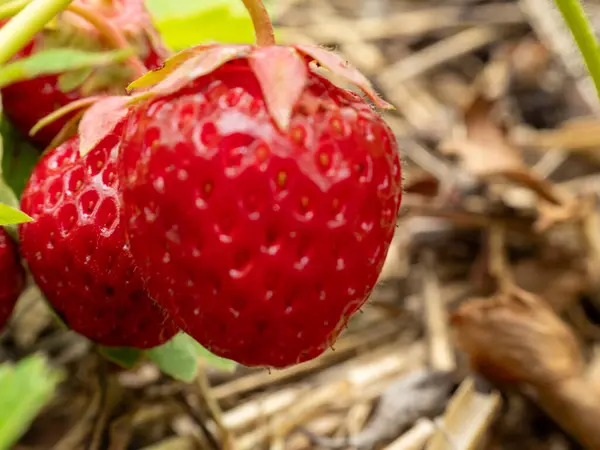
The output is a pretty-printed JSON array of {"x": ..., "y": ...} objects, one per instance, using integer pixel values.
[
  {"x": 128, "y": 16},
  {"x": 264, "y": 195},
  {"x": 12, "y": 277},
  {"x": 76, "y": 248}
]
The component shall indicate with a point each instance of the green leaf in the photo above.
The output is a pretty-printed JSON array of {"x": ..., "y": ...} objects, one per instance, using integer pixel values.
[
  {"x": 7, "y": 195},
  {"x": 70, "y": 81},
  {"x": 18, "y": 157},
  {"x": 12, "y": 216},
  {"x": 226, "y": 365},
  {"x": 8, "y": 198},
  {"x": 57, "y": 60},
  {"x": 187, "y": 23},
  {"x": 125, "y": 357},
  {"x": 177, "y": 357},
  {"x": 26, "y": 388}
]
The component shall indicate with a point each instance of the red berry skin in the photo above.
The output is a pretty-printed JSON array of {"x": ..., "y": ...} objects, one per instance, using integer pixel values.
[
  {"x": 76, "y": 248},
  {"x": 45, "y": 92},
  {"x": 266, "y": 242},
  {"x": 12, "y": 277}
]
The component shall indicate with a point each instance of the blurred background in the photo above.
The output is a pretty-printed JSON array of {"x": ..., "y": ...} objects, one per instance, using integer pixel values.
[{"x": 484, "y": 329}]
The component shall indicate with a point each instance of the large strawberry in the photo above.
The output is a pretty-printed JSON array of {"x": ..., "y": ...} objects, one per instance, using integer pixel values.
[
  {"x": 51, "y": 92},
  {"x": 12, "y": 277},
  {"x": 76, "y": 248},
  {"x": 259, "y": 198}
]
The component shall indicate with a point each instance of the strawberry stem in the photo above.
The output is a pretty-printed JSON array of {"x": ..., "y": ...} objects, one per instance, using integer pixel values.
[
  {"x": 19, "y": 31},
  {"x": 263, "y": 28}
]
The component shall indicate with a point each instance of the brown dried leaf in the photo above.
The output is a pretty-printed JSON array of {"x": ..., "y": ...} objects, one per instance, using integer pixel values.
[
  {"x": 570, "y": 209},
  {"x": 575, "y": 407},
  {"x": 424, "y": 184},
  {"x": 559, "y": 282},
  {"x": 30, "y": 317},
  {"x": 581, "y": 135},
  {"x": 517, "y": 338},
  {"x": 484, "y": 150},
  {"x": 525, "y": 177}
]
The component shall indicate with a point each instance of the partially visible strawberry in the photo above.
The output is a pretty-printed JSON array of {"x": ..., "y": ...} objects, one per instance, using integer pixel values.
[
  {"x": 26, "y": 102},
  {"x": 264, "y": 195},
  {"x": 12, "y": 277},
  {"x": 76, "y": 249}
]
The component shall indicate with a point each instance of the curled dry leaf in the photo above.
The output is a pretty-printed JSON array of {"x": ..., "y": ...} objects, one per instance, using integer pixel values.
[
  {"x": 580, "y": 135},
  {"x": 487, "y": 152},
  {"x": 517, "y": 338},
  {"x": 559, "y": 283},
  {"x": 484, "y": 149}
]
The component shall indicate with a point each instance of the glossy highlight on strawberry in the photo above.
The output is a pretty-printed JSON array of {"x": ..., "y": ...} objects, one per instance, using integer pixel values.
[
  {"x": 12, "y": 277},
  {"x": 259, "y": 221},
  {"x": 76, "y": 248}
]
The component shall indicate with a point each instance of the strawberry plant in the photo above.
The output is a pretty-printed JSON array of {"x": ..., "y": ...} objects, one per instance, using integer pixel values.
[
  {"x": 26, "y": 387},
  {"x": 234, "y": 204},
  {"x": 73, "y": 67},
  {"x": 265, "y": 195}
]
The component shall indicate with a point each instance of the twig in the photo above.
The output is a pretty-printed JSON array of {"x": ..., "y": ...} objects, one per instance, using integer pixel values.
[
  {"x": 467, "y": 418},
  {"x": 575, "y": 405},
  {"x": 415, "y": 438},
  {"x": 441, "y": 353}
]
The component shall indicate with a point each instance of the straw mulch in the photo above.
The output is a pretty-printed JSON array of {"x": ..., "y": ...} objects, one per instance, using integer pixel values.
[{"x": 484, "y": 329}]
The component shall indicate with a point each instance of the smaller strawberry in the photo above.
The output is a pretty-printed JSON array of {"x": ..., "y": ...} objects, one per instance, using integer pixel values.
[
  {"x": 12, "y": 277},
  {"x": 51, "y": 92},
  {"x": 76, "y": 248}
]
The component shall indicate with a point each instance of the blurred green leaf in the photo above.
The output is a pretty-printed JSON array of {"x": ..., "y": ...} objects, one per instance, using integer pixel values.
[
  {"x": 12, "y": 216},
  {"x": 179, "y": 357},
  {"x": 69, "y": 81},
  {"x": 25, "y": 388},
  {"x": 57, "y": 60},
  {"x": 18, "y": 157},
  {"x": 226, "y": 365},
  {"x": 125, "y": 357},
  {"x": 187, "y": 23},
  {"x": 7, "y": 194}
]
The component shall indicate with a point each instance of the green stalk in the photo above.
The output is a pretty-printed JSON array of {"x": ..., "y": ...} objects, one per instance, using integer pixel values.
[
  {"x": 12, "y": 8},
  {"x": 24, "y": 26},
  {"x": 576, "y": 19}
]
